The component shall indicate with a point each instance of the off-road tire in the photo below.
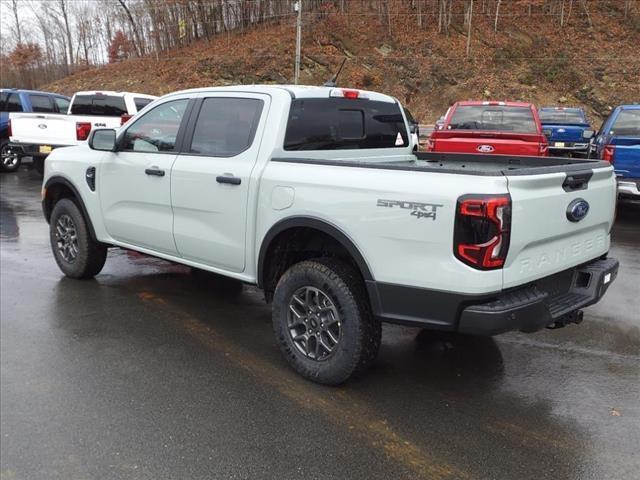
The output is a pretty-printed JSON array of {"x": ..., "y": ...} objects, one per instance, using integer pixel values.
[
  {"x": 91, "y": 255},
  {"x": 360, "y": 331}
]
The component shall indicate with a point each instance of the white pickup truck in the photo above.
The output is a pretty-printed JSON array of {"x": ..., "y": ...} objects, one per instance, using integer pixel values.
[
  {"x": 37, "y": 134},
  {"x": 315, "y": 195}
]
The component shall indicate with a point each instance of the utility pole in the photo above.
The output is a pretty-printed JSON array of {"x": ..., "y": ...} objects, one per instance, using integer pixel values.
[{"x": 298, "y": 8}]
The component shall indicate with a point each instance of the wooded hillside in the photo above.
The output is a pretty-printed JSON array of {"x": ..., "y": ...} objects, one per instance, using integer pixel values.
[{"x": 428, "y": 53}]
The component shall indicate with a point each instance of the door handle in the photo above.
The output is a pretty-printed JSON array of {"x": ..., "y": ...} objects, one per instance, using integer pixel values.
[
  {"x": 155, "y": 171},
  {"x": 230, "y": 179}
]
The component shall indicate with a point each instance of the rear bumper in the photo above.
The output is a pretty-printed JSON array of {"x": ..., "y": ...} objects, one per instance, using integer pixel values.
[
  {"x": 550, "y": 301},
  {"x": 33, "y": 149},
  {"x": 569, "y": 147},
  {"x": 628, "y": 187}
]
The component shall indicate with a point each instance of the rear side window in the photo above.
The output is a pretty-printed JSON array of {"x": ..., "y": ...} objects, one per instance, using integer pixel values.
[
  {"x": 101, "y": 105},
  {"x": 226, "y": 126},
  {"x": 141, "y": 103},
  {"x": 10, "y": 102},
  {"x": 562, "y": 116},
  {"x": 493, "y": 118},
  {"x": 627, "y": 124},
  {"x": 156, "y": 130},
  {"x": 41, "y": 103},
  {"x": 62, "y": 103},
  {"x": 340, "y": 123}
]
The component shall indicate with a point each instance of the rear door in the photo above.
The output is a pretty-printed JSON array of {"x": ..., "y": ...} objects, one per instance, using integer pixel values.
[
  {"x": 211, "y": 179},
  {"x": 544, "y": 240}
]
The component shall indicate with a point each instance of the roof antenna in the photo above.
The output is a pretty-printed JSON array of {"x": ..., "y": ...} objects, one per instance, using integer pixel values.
[{"x": 334, "y": 79}]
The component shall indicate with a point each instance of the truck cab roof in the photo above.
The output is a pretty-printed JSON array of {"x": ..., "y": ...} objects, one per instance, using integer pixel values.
[{"x": 299, "y": 91}]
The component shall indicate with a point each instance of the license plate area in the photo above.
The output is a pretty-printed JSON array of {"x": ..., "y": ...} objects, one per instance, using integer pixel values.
[
  {"x": 559, "y": 144},
  {"x": 45, "y": 149}
]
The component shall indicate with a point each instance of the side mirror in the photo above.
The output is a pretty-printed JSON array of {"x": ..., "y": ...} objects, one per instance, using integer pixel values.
[
  {"x": 588, "y": 134},
  {"x": 547, "y": 133},
  {"x": 103, "y": 139},
  {"x": 413, "y": 128}
]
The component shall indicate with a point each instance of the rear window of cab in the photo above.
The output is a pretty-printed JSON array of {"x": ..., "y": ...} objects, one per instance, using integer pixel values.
[
  {"x": 342, "y": 124},
  {"x": 495, "y": 118}
]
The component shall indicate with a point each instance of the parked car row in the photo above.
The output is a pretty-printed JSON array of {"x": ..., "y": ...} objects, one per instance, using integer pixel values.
[
  {"x": 520, "y": 129},
  {"x": 35, "y": 123}
]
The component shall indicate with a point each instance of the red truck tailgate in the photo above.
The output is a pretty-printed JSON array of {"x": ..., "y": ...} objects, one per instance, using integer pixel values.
[{"x": 495, "y": 143}]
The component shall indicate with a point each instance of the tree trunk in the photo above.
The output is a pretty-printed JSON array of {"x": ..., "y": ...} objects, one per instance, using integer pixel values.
[
  {"x": 137, "y": 44},
  {"x": 495, "y": 25},
  {"x": 469, "y": 31}
]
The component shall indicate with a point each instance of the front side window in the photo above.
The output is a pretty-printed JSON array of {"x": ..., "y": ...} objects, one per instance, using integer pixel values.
[
  {"x": 99, "y": 105},
  {"x": 156, "y": 130},
  {"x": 10, "y": 102},
  {"x": 62, "y": 104},
  {"x": 226, "y": 126},
  {"x": 41, "y": 103},
  {"x": 339, "y": 124},
  {"x": 493, "y": 118},
  {"x": 627, "y": 124}
]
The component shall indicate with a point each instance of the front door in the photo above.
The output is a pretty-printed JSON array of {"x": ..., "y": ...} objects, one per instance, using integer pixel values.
[
  {"x": 135, "y": 181},
  {"x": 211, "y": 179}
]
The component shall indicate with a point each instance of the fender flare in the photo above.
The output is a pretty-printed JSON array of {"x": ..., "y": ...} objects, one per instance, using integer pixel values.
[
  {"x": 317, "y": 224},
  {"x": 59, "y": 180}
]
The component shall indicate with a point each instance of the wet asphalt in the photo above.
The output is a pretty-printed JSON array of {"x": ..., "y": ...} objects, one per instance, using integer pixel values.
[{"x": 150, "y": 371}]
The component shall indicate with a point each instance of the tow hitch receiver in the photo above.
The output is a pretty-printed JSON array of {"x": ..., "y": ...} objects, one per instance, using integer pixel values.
[{"x": 573, "y": 317}]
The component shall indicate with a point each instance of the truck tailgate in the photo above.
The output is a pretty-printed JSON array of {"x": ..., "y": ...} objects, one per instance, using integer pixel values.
[
  {"x": 626, "y": 158},
  {"x": 488, "y": 143},
  {"x": 43, "y": 129},
  {"x": 543, "y": 238}
]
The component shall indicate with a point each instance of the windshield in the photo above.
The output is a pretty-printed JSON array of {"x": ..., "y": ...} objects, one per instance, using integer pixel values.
[
  {"x": 562, "y": 116},
  {"x": 627, "y": 124},
  {"x": 494, "y": 118}
]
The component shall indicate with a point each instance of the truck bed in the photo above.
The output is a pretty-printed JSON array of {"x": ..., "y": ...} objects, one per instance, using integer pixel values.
[{"x": 469, "y": 164}]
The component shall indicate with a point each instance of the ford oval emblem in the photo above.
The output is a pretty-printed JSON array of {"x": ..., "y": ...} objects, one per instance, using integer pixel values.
[
  {"x": 485, "y": 148},
  {"x": 577, "y": 210},
  {"x": 561, "y": 130},
  {"x": 42, "y": 126}
]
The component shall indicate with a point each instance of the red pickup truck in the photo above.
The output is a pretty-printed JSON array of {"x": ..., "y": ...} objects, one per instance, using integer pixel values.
[{"x": 497, "y": 128}]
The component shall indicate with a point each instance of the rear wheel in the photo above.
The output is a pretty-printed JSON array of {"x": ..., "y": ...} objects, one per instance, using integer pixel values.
[
  {"x": 76, "y": 253},
  {"x": 322, "y": 321},
  {"x": 9, "y": 158}
]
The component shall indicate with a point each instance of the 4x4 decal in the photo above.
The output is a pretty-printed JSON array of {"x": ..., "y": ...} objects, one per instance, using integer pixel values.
[{"x": 418, "y": 209}]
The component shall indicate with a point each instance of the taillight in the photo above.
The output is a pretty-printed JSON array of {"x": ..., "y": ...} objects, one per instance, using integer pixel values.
[
  {"x": 608, "y": 153},
  {"x": 543, "y": 149},
  {"x": 83, "y": 129},
  {"x": 482, "y": 230},
  {"x": 125, "y": 118},
  {"x": 9, "y": 132}
]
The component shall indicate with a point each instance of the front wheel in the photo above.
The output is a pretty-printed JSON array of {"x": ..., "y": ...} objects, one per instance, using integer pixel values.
[
  {"x": 322, "y": 321},
  {"x": 9, "y": 158},
  {"x": 76, "y": 253}
]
